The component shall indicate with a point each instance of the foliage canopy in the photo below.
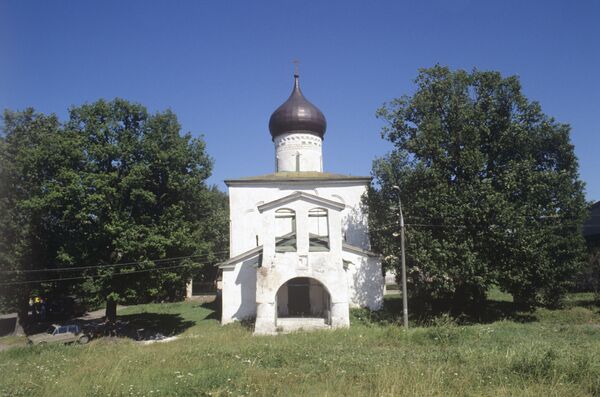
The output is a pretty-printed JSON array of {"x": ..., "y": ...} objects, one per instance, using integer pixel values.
[
  {"x": 113, "y": 184},
  {"x": 490, "y": 190}
]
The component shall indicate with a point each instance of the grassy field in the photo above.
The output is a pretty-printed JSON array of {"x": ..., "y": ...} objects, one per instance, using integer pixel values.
[{"x": 549, "y": 353}]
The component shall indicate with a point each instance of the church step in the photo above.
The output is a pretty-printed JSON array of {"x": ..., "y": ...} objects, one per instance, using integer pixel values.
[{"x": 292, "y": 324}]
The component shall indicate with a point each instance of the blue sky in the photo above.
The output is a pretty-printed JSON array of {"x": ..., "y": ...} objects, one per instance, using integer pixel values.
[{"x": 223, "y": 67}]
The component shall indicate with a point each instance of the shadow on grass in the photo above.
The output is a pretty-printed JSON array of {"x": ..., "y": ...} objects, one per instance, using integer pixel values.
[
  {"x": 215, "y": 308},
  {"x": 591, "y": 303},
  {"x": 138, "y": 326},
  {"x": 425, "y": 313},
  {"x": 215, "y": 314},
  {"x": 153, "y": 323},
  {"x": 492, "y": 311}
]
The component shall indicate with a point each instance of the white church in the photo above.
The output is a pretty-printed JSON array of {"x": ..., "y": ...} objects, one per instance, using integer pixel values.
[{"x": 300, "y": 255}]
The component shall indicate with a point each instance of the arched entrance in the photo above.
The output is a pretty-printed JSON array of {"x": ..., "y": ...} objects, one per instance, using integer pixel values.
[{"x": 304, "y": 297}]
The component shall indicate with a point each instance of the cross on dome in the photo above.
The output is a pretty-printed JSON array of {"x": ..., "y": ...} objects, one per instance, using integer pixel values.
[{"x": 297, "y": 114}]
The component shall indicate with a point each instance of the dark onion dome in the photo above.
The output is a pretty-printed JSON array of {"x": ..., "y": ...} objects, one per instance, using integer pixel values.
[{"x": 297, "y": 114}]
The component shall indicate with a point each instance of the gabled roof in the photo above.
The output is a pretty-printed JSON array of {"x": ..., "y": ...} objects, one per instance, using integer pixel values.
[
  {"x": 254, "y": 252},
  {"x": 244, "y": 255},
  {"x": 334, "y": 205},
  {"x": 357, "y": 250},
  {"x": 302, "y": 176}
]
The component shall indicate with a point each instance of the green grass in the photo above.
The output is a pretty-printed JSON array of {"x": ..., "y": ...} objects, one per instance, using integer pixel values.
[
  {"x": 549, "y": 353},
  {"x": 496, "y": 295}
]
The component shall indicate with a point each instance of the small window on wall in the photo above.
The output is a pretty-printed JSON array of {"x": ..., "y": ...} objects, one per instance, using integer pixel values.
[
  {"x": 318, "y": 230},
  {"x": 285, "y": 230}
]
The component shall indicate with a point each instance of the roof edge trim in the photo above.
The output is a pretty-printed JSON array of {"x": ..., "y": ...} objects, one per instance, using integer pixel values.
[
  {"x": 244, "y": 255},
  {"x": 358, "y": 250},
  {"x": 302, "y": 196}
]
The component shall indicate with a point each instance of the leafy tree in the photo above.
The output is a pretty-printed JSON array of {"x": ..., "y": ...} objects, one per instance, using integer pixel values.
[
  {"x": 589, "y": 277},
  {"x": 34, "y": 160},
  {"x": 125, "y": 187},
  {"x": 490, "y": 190}
]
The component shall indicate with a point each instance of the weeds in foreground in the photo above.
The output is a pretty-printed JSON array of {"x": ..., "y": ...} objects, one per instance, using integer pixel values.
[{"x": 556, "y": 353}]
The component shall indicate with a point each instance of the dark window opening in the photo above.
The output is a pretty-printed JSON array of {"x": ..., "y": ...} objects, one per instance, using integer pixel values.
[
  {"x": 318, "y": 235},
  {"x": 285, "y": 230}
]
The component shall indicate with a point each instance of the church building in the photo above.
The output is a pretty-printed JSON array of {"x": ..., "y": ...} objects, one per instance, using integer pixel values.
[{"x": 300, "y": 255}]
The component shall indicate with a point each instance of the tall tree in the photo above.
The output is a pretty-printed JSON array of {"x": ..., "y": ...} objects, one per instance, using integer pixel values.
[
  {"x": 490, "y": 190},
  {"x": 35, "y": 160},
  {"x": 129, "y": 205},
  {"x": 147, "y": 198}
]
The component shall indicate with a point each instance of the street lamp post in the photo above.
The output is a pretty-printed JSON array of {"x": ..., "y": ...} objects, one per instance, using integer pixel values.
[{"x": 404, "y": 295}]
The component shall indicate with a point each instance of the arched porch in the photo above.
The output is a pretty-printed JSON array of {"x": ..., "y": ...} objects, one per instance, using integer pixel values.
[
  {"x": 317, "y": 301},
  {"x": 303, "y": 302}
]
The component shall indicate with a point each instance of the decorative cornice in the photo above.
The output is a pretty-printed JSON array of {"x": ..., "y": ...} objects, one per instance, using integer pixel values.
[
  {"x": 304, "y": 176},
  {"x": 334, "y": 205}
]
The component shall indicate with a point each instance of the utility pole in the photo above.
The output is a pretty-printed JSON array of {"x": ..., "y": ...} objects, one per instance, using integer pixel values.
[{"x": 404, "y": 295}]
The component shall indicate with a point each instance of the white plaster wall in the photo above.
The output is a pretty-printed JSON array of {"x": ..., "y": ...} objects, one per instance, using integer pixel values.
[
  {"x": 246, "y": 222},
  {"x": 365, "y": 281},
  {"x": 189, "y": 289},
  {"x": 239, "y": 291},
  {"x": 282, "y": 301},
  {"x": 346, "y": 287},
  {"x": 307, "y": 146},
  {"x": 390, "y": 277},
  {"x": 282, "y": 268},
  {"x": 278, "y": 268}
]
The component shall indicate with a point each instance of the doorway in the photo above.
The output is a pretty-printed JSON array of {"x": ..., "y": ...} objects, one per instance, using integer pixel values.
[
  {"x": 298, "y": 297},
  {"x": 303, "y": 297}
]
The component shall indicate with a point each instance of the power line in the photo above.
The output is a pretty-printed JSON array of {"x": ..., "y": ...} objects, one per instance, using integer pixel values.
[
  {"x": 111, "y": 265},
  {"x": 446, "y": 226},
  {"x": 91, "y": 277},
  {"x": 394, "y": 227},
  {"x": 60, "y": 269},
  {"x": 475, "y": 227},
  {"x": 555, "y": 217}
]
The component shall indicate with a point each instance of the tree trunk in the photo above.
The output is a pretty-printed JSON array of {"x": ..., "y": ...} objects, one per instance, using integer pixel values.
[
  {"x": 111, "y": 310},
  {"x": 524, "y": 301},
  {"x": 468, "y": 298}
]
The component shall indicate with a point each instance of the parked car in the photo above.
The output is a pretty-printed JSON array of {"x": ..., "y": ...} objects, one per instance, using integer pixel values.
[{"x": 60, "y": 334}]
